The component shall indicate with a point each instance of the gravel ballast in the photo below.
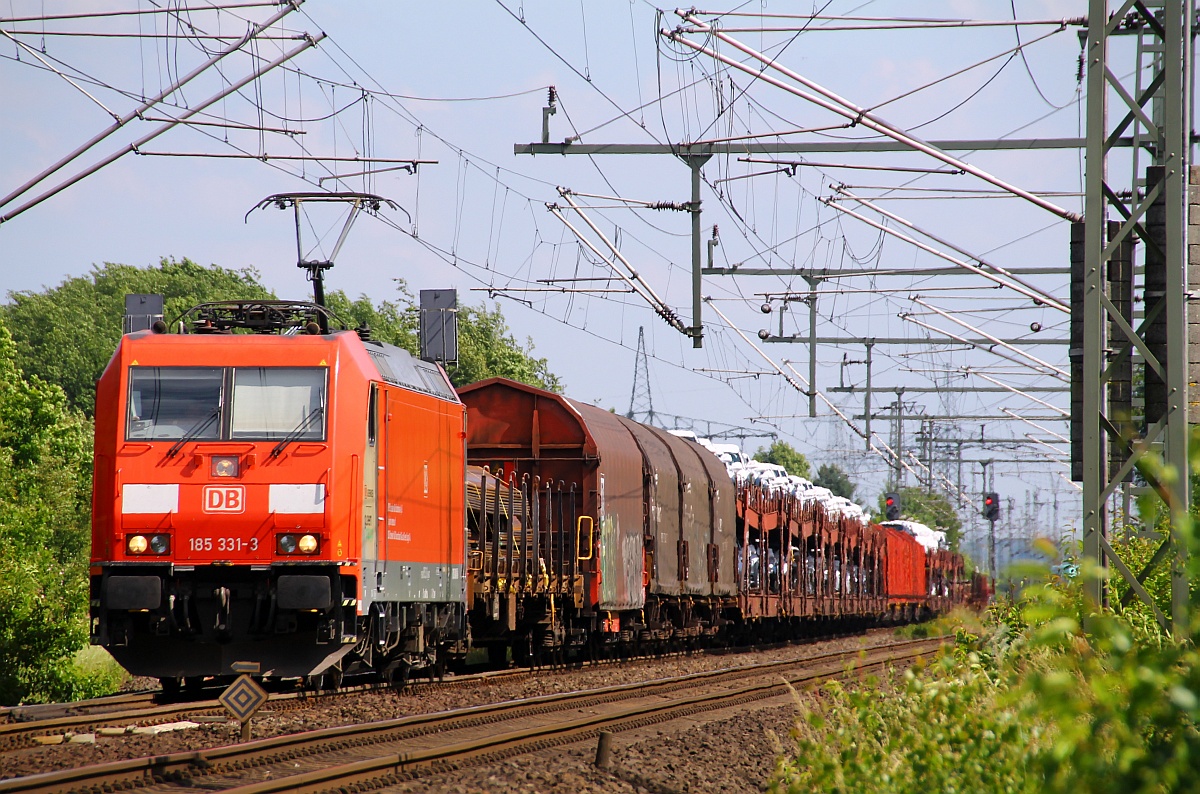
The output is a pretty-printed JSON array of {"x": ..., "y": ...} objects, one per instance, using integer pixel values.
[{"x": 721, "y": 752}]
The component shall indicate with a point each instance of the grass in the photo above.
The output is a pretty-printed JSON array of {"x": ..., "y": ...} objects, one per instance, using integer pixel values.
[
  {"x": 960, "y": 618},
  {"x": 97, "y": 673}
]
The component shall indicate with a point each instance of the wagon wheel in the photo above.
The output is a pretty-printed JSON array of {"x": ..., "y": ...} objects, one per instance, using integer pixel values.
[{"x": 497, "y": 656}]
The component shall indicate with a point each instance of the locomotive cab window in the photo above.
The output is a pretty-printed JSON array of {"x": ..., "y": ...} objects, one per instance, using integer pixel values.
[
  {"x": 168, "y": 403},
  {"x": 271, "y": 403},
  {"x": 267, "y": 403}
]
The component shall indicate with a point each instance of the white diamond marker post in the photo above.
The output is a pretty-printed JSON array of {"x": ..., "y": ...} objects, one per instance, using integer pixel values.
[{"x": 241, "y": 699}]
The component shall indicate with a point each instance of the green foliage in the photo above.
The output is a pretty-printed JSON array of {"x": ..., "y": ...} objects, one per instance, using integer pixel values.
[
  {"x": 1052, "y": 695},
  {"x": 833, "y": 477},
  {"x": 931, "y": 509},
  {"x": 783, "y": 454},
  {"x": 45, "y": 483},
  {"x": 96, "y": 673},
  {"x": 65, "y": 335},
  {"x": 391, "y": 322},
  {"x": 942, "y": 729},
  {"x": 486, "y": 347}
]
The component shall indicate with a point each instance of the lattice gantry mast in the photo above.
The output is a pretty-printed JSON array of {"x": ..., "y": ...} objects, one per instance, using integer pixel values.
[
  {"x": 1109, "y": 443},
  {"x": 641, "y": 403}
]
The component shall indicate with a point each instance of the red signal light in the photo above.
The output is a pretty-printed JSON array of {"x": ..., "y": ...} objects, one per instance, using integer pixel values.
[{"x": 991, "y": 505}]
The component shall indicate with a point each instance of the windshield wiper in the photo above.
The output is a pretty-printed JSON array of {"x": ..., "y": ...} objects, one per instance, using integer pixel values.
[
  {"x": 295, "y": 434},
  {"x": 195, "y": 432}
]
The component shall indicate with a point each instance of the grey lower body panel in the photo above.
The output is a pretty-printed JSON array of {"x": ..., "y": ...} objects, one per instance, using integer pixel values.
[{"x": 412, "y": 583}]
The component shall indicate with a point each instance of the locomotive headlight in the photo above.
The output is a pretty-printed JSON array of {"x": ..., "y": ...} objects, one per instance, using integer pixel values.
[
  {"x": 286, "y": 544},
  {"x": 160, "y": 544},
  {"x": 137, "y": 544},
  {"x": 225, "y": 466},
  {"x": 308, "y": 544}
]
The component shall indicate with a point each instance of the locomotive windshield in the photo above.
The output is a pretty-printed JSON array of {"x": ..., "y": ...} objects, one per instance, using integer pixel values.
[
  {"x": 268, "y": 403},
  {"x": 165, "y": 403},
  {"x": 272, "y": 403}
]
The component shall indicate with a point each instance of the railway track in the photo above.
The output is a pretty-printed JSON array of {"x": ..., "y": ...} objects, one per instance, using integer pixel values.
[
  {"x": 27, "y": 723},
  {"x": 22, "y": 726},
  {"x": 378, "y": 754},
  {"x": 46, "y": 711}
]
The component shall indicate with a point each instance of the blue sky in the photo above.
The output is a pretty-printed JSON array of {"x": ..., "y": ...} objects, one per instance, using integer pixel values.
[{"x": 462, "y": 85}]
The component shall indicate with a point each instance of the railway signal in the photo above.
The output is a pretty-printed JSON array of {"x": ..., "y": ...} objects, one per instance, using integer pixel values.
[
  {"x": 991, "y": 506},
  {"x": 891, "y": 505}
]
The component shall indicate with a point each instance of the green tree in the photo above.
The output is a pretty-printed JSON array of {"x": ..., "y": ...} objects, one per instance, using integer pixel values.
[
  {"x": 389, "y": 321},
  {"x": 65, "y": 335},
  {"x": 784, "y": 454},
  {"x": 486, "y": 347},
  {"x": 931, "y": 509},
  {"x": 45, "y": 485},
  {"x": 833, "y": 477}
]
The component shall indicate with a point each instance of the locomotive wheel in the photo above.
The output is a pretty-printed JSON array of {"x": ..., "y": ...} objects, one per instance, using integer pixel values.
[
  {"x": 171, "y": 686},
  {"x": 333, "y": 679},
  {"x": 328, "y": 681}
]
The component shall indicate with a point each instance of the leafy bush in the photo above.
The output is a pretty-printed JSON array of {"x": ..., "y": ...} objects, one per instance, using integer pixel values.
[
  {"x": 943, "y": 729},
  {"x": 45, "y": 486},
  {"x": 66, "y": 334},
  {"x": 1056, "y": 696},
  {"x": 96, "y": 673}
]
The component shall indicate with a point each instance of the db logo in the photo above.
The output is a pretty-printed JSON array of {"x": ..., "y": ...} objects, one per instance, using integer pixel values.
[{"x": 224, "y": 498}]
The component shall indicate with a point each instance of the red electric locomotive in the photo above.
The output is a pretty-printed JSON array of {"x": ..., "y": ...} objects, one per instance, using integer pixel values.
[{"x": 272, "y": 497}]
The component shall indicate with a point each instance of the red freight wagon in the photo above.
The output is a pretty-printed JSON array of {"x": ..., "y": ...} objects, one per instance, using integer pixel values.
[
  {"x": 906, "y": 575},
  {"x": 272, "y": 500},
  {"x": 520, "y": 430}
]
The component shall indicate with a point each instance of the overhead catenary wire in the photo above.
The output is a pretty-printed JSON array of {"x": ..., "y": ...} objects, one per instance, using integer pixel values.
[
  {"x": 120, "y": 121},
  {"x": 1026, "y": 395},
  {"x": 631, "y": 277},
  {"x": 1033, "y": 294},
  {"x": 832, "y": 102},
  {"x": 1007, "y": 23},
  {"x": 170, "y": 10},
  {"x": 768, "y": 238},
  {"x": 882, "y": 449},
  {"x": 95, "y": 34},
  {"x": 1033, "y": 424},
  {"x": 32, "y": 51},
  {"x": 990, "y": 348},
  {"x": 1045, "y": 296},
  {"x": 1061, "y": 373},
  {"x": 133, "y": 147}
]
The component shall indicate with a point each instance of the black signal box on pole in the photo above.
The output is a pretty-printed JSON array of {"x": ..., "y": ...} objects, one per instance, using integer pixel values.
[
  {"x": 891, "y": 505},
  {"x": 991, "y": 506}
]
